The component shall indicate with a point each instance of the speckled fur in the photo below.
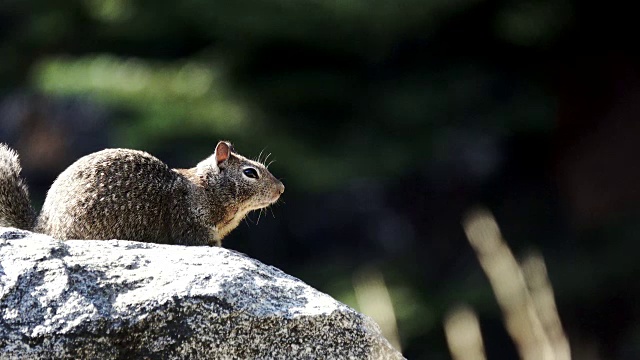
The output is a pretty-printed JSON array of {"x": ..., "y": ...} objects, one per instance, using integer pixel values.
[
  {"x": 131, "y": 195},
  {"x": 15, "y": 208}
]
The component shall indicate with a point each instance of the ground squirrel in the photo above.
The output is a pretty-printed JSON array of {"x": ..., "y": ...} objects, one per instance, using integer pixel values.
[{"x": 131, "y": 195}]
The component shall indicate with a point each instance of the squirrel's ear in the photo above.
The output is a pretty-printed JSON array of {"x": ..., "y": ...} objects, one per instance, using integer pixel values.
[
  {"x": 211, "y": 164},
  {"x": 223, "y": 151}
]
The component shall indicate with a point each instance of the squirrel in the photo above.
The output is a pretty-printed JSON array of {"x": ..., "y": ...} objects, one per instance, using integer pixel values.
[{"x": 131, "y": 195}]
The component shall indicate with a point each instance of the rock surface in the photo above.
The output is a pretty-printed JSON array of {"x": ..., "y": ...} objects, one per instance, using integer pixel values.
[{"x": 116, "y": 299}]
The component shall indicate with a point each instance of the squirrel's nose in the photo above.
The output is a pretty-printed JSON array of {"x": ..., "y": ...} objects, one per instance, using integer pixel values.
[{"x": 280, "y": 187}]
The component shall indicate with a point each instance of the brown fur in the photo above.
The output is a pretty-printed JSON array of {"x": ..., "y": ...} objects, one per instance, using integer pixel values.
[{"x": 129, "y": 194}]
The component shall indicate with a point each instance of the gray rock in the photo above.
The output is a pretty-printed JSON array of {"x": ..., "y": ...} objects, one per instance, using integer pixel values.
[{"x": 116, "y": 299}]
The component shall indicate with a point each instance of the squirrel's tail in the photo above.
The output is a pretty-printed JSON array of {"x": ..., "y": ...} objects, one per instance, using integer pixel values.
[{"x": 15, "y": 206}]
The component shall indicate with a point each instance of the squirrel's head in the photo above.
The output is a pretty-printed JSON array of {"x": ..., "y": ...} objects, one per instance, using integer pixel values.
[{"x": 240, "y": 184}]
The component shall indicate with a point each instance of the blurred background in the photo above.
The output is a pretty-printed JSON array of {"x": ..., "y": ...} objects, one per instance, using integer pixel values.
[{"x": 389, "y": 121}]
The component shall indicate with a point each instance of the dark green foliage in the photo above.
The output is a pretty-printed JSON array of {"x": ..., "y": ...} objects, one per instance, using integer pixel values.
[{"x": 388, "y": 120}]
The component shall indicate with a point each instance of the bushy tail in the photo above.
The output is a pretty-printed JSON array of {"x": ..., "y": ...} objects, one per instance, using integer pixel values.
[{"x": 15, "y": 206}]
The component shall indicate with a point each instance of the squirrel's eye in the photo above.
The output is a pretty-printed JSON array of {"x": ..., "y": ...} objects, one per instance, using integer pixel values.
[{"x": 250, "y": 172}]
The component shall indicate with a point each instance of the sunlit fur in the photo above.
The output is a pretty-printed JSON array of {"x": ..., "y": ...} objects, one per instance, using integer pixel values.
[
  {"x": 131, "y": 195},
  {"x": 15, "y": 208}
]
